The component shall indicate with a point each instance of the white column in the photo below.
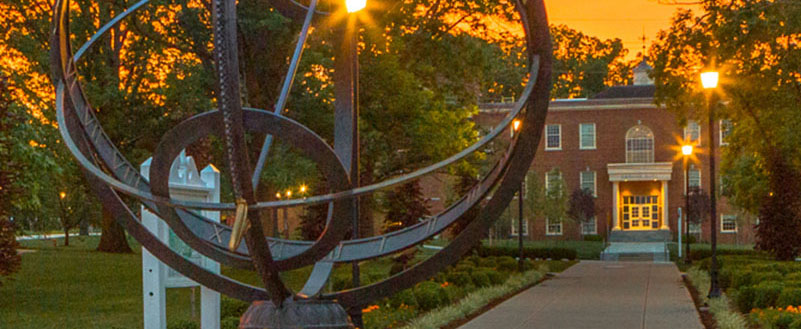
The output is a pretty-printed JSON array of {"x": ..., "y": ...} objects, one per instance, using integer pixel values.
[
  {"x": 615, "y": 211},
  {"x": 665, "y": 212},
  {"x": 154, "y": 276},
  {"x": 210, "y": 299}
]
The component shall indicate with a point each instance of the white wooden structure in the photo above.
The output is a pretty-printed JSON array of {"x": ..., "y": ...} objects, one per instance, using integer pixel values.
[{"x": 185, "y": 184}]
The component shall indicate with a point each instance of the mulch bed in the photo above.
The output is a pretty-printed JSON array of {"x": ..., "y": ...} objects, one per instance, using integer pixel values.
[{"x": 707, "y": 318}]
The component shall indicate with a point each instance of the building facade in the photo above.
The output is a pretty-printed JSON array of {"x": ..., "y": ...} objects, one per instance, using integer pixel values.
[{"x": 627, "y": 152}]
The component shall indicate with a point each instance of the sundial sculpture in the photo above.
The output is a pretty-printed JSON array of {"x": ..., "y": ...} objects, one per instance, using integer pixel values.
[{"x": 274, "y": 305}]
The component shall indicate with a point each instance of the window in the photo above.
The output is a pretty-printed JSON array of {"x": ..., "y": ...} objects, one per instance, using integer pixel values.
[
  {"x": 552, "y": 179},
  {"x": 692, "y": 133},
  {"x": 588, "y": 182},
  {"x": 725, "y": 131},
  {"x": 553, "y": 137},
  {"x": 639, "y": 145},
  {"x": 514, "y": 227},
  {"x": 728, "y": 223},
  {"x": 694, "y": 177},
  {"x": 695, "y": 228},
  {"x": 589, "y": 227},
  {"x": 587, "y": 136},
  {"x": 553, "y": 226}
]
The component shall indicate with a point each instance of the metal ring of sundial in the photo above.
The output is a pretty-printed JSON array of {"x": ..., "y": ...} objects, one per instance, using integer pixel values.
[{"x": 76, "y": 120}]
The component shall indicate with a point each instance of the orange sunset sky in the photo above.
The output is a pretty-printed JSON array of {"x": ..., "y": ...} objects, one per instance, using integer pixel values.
[{"x": 607, "y": 19}]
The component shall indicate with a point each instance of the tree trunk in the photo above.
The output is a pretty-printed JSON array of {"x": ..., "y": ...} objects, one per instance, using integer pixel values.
[
  {"x": 66, "y": 236},
  {"x": 112, "y": 239}
]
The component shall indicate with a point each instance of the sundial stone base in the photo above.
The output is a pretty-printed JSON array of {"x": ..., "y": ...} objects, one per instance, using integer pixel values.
[{"x": 296, "y": 314}]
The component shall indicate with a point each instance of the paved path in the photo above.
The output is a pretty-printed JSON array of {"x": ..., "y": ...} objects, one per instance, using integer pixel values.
[{"x": 594, "y": 294}]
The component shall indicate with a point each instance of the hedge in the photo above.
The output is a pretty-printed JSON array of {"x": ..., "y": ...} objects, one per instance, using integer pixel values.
[{"x": 528, "y": 252}]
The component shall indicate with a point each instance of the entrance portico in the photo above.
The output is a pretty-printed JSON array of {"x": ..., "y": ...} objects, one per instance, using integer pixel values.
[{"x": 640, "y": 195}]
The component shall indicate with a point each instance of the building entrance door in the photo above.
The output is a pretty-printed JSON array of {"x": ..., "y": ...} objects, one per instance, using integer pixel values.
[{"x": 640, "y": 212}]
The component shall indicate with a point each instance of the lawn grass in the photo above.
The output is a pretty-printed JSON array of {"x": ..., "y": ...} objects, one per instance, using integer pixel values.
[{"x": 77, "y": 287}]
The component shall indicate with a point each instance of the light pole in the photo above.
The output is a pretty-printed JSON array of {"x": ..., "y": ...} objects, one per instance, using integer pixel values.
[
  {"x": 515, "y": 128},
  {"x": 710, "y": 82},
  {"x": 352, "y": 151},
  {"x": 687, "y": 151}
]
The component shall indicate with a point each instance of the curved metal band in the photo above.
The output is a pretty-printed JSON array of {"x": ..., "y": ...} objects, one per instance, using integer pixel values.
[
  {"x": 519, "y": 159},
  {"x": 350, "y": 250},
  {"x": 263, "y": 122}
]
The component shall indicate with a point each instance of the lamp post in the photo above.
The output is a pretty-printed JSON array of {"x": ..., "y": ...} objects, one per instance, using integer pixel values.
[
  {"x": 351, "y": 151},
  {"x": 710, "y": 82},
  {"x": 275, "y": 217},
  {"x": 515, "y": 128},
  {"x": 687, "y": 151}
]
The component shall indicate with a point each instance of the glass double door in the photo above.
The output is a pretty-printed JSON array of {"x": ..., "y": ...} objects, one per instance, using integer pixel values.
[{"x": 640, "y": 212}]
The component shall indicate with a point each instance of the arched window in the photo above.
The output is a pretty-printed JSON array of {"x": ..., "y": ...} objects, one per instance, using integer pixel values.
[{"x": 639, "y": 145}]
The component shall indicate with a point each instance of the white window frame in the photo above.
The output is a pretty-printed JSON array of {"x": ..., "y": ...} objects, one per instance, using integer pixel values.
[
  {"x": 594, "y": 181},
  {"x": 695, "y": 228},
  {"x": 720, "y": 132},
  {"x": 581, "y": 137},
  {"x": 547, "y": 180},
  {"x": 514, "y": 227},
  {"x": 732, "y": 218},
  {"x": 594, "y": 222},
  {"x": 548, "y": 227},
  {"x": 557, "y": 148},
  {"x": 686, "y": 131},
  {"x": 687, "y": 181}
]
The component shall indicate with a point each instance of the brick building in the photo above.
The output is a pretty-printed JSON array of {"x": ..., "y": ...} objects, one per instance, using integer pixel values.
[{"x": 627, "y": 151}]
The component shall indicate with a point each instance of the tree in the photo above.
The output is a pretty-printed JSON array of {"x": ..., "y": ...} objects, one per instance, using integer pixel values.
[
  {"x": 779, "y": 228},
  {"x": 581, "y": 207},
  {"x": 551, "y": 202},
  {"x": 754, "y": 47},
  {"x": 406, "y": 206},
  {"x": 9, "y": 188},
  {"x": 699, "y": 206}
]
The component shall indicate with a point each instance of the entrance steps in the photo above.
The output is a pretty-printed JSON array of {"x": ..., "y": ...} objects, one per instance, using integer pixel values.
[
  {"x": 636, "y": 251},
  {"x": 640, "y": 236}
]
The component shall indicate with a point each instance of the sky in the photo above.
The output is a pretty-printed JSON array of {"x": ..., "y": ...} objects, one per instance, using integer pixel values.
[{"x": 607, "y": 19}]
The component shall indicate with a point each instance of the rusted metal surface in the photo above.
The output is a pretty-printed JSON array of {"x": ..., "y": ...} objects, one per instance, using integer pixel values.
[{"x": 110, "y": 173}]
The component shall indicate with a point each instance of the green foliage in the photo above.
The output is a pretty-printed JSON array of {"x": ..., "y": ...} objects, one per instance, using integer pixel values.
[
  {"x": 496, "y": 277},
  {"x": 406, "y": 206},
  {"x": 459, "y": 278},
  {"x": 789, "y": 297},
  {"x": 487, "y": 262},
  {"x": 404, "y": 297},
  {"x": 581, "y": 207},
  {"x": 542, "y": 253},
  {"x": 507, "y": 263},
  {"x": 230, "y": 307},
  {"x": 183, "y": 324},
  {"x": 430, "y": 295},
  {"x": 480, "y": 278},
  {"x": 10, "y": 261},
  {"x": 593, "y": 238},
  {"x": 230, "y": 322}
]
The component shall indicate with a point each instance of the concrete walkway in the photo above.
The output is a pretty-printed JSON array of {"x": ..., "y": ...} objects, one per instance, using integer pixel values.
[{"x": 594, "y": 294}]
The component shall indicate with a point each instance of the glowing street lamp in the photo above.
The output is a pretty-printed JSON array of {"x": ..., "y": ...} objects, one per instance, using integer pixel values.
[
  {"x": 62, "y": 195},
  {"x": 710, "y": 79},
  {"x": 355, "y": 5},
  {"x": 515, "y": 128},
  {"x": 687, "y": 149},
  {"x": 288, "y": 193},
  {"x": 303, "y": 189},
  {"x": 516, "y": 125}
]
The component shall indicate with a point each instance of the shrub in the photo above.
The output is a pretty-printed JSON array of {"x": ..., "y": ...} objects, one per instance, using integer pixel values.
[
  {"x": 762, "y": 277},
  {"x": 740, "y": 279},
  {"x": 429, "y": 295},
  {"x": 697, "y": 254},
  {"x": 341, "y": 282},
  {"x": 487, "y": 262},
  {"x": 230, "y": 322},
  {"x": 593, "y": 237},
  {"x": 464, "y": 268},
  {"x": 789, "y": 297},
  {"x": 396, "y": 268},
  {"x": 230, "y": 307},
  {"x": 496, "y": 277},
  {"x": 480, "y": 278},
  {"x": 404, "y": 297},
  {"x": 793, "y": 276},
  {"x": 552, "y": 253},
  {"x": 766, "y": 294},
  {"x": 506, "y": 263},
  {"x": 454, "y": 293},
  {"x": 745, "y": 298},
  {"x": 461, "y": 279}
]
